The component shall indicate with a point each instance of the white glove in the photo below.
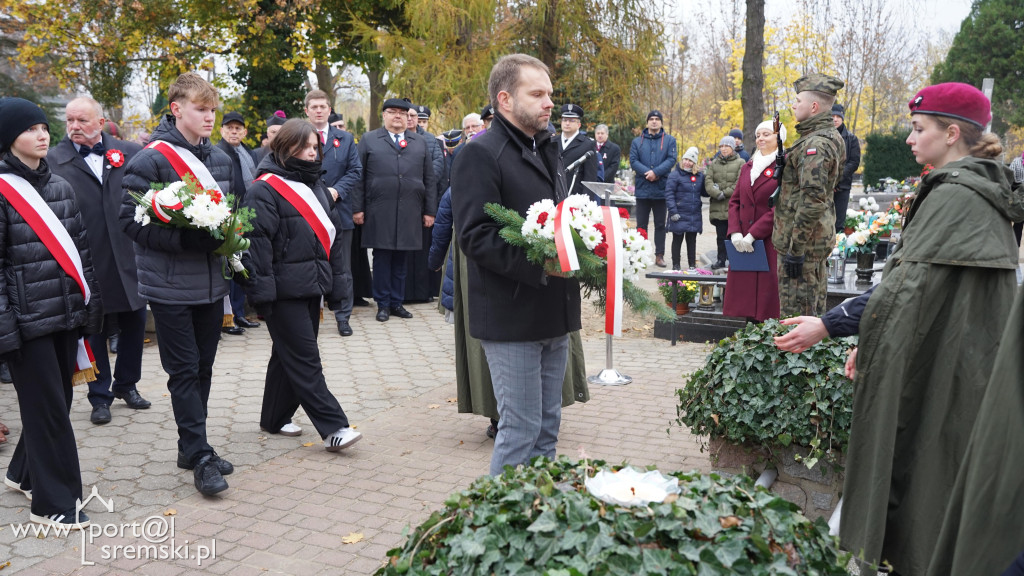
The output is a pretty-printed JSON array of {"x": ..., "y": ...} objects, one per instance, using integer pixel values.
[
  {"x": 748, "y": 243},
  {"x": 737, "y": 240}
]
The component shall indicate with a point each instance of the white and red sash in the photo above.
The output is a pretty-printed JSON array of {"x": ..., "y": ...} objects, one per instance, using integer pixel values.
[
  {"x": 185, "y": 163},
  {"x": 41, "y": 219},
  {"x": 301, "y": 197}
]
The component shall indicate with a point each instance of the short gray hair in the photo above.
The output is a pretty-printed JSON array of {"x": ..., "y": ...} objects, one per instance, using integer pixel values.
[
  {"x": 470, "y": 116},
  {"x": 505, "y": 76},
  {"x": 96, "y": 107},
  {"x": 601, "y": 127}
]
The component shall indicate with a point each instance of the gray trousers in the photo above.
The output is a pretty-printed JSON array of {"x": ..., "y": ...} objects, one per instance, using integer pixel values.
[
  {"x": 343, "y": 313},
  {"x": 529, "y": 395}
]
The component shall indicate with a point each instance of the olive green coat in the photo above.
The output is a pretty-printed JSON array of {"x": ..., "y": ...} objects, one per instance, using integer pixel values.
[
  {"x": 723, "y": 173},
  {"x": 928, "y": 339},
  {"x": 472, "y": 376},
  {"x": 984, "y": 528},
  {"x": 805, "y": 212}
]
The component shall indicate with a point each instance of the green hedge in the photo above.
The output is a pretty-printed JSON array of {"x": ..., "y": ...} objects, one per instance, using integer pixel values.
[
  {"x": 541, "y": 520},
  {"x": 888, "y": 156}
]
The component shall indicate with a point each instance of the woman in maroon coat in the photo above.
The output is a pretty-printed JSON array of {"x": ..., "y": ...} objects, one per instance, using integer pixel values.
[{"x": 754, "y": 295}]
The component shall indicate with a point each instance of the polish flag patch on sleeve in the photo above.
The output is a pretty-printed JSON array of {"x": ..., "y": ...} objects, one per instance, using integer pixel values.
[{"x": 812, "y": 151}]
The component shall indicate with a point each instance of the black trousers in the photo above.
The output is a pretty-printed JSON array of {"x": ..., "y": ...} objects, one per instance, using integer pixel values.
[
  {"x": 348, "y": 295},
  {"x": 389, "y": 269},
  {"x": 187, "y": 336},
  {"x": 691, "y": 249},
  {"x": 236, "y": 295},
  {"x": 842, "y": 200},
  {"x": 128, "y": 366},
  {"x": 721, "y": 235},
  {"x": 644, "y": 207},
  {"x": 295, "y": 375},
  {"x": 46, "y": 458},
  {"x": 362, "y": 279}
]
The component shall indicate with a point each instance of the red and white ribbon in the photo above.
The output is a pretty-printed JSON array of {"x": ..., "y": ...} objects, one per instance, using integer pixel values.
[
  {"x": 84, "y": 359},
  {"x": 567, "y": 257},
  {"x": 158, "y": 208},
  {"x": 616, "y": 261},
  {"x": 38, "y": 215},
  {"x": 185, "y": 163},
  {"x": 302, "y": 198}
]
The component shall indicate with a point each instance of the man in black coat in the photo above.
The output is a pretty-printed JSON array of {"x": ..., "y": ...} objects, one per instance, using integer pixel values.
[
  {"x": 394, "y": 200},
  {"x": 842, "y": 195},
  {"x": 243, "y": 172},
  {"x": 521, "y": 314},
  {"x": 93, "y": 162},
  {"x": 609, "y": 152},
  {"x": 574, "y": 144},
  {"x": 421, "y": 283},
  {"x": 342, "y": 170}
]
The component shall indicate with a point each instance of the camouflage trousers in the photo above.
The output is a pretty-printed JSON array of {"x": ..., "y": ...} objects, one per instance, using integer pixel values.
[{"x": 804, "y": 295}]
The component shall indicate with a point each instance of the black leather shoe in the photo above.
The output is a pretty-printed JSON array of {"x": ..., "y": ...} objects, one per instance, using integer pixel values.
[
  {"x": 382, "y": 315},
  {"x": 113, "y": 344},
  {"x": 245, "y": 322},
  {"x": 134, "y": 400},
  {"x": 401, "y": 312},
  {"x": 208, "y": 479},
  {"x": 5, "y": 373},
  {"x": 223, "y": 466},
  {"x": 344, "y": 329},
  {"x": 233, "y": 330},
  {"x": 360, "y": 302},
  {"x": 100, "y": 414}
]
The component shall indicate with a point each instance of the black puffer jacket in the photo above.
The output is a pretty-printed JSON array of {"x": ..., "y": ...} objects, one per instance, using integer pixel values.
[
  {"x": 168, "y": 273},
  {"x": 286, "y": 260},
  {"x": 36, "y": 296}
]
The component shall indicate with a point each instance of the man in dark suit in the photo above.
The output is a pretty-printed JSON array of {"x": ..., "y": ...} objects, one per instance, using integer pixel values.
[
  {"x": 394, "y": 199},
  {"x": 521, "y": 314},
  {"x": 93, "y": 162},
  {"x": 609, "y": 153},
  {"x": 243, "y": 172},
  {"x": 573, "y": 145},
  {"x": 342, "y": 170}
]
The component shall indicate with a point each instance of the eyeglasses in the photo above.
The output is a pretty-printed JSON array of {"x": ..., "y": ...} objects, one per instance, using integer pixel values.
[{"x": 392, "y": 112}]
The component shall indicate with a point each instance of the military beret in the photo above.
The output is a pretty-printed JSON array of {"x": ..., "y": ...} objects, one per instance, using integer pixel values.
[
  {"x": 398, "y": 103},
  {"x": 422, "y": 112},
  {"x": 953, "y": 99},
  {"x": 486, "y": 112},
  {"x": 232, "y": 117},
  {"x": 818, "y": 83},
  {"x": 335, "y": 117},
  {"x": 571, "y": 111}
]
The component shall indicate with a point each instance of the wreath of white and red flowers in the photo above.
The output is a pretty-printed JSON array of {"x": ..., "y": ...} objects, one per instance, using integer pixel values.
[{"x": 115, "y": 157}]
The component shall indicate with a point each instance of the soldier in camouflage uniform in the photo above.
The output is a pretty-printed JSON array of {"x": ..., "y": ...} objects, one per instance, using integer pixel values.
[{"x": 805, "y": 214}]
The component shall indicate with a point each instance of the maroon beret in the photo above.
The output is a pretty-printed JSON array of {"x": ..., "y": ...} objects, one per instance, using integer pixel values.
[{"x": 953, "y": 99}]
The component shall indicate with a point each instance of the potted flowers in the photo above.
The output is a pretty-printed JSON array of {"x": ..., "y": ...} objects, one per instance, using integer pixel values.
[
  {"x": 865, "y": 238},
  {"x": 686, "y": 291}
]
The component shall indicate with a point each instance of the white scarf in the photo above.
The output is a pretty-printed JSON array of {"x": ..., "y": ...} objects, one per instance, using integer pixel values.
[{"x": 758, "y": 163}]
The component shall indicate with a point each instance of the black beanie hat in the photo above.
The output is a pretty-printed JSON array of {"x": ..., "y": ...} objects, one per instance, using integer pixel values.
[{"x": 16, "y": 116}]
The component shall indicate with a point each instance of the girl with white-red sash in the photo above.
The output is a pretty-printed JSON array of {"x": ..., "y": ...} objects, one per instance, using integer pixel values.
[
  {"x": 48, "y": 300},
  {"x": 294, "y": 263}
]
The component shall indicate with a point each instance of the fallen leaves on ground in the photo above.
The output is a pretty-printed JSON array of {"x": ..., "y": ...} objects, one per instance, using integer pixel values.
[
  {"x": 308, "y": 444},
  {"x": 170, "y": 512},
  {"x": 352, "y": 538},
  {"x": 432, "y": 406}
]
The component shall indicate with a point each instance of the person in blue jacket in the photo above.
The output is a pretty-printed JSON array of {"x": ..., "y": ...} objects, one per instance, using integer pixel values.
[
  {"x": 682, "y": 199},
  {"x": 652, "y": 156}
]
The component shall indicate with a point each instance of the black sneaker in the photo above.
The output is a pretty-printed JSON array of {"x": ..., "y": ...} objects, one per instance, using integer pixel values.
[
  {"x": 66, "y": 518},
  {"x": 223, "y": 466},
  {"x": 208, "y": 479}
]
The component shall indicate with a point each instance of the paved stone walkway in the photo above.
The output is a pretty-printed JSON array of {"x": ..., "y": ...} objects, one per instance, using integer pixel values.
[{"x": 291, "y": 503}]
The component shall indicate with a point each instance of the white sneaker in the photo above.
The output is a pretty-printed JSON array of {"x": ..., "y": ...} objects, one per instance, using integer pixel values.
[
  {"x": 15, "y": 486},
  {"x": 341, "y": 439},
  {"x": 290, "y": 429}
]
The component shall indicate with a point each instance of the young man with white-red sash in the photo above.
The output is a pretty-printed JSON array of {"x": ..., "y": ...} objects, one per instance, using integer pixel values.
[
  {"x": 179, "y": 275},
  {"x": 48, "y": 301},
  {"x": 297, "y": 259}
]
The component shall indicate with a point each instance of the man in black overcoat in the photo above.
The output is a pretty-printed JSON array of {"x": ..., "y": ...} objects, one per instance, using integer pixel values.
[
  {"x": 609, "y": 152},
  {"x": 93, "y": 162},
  {"x": 573, "y": 145},
  {"x": 394, "y": 200}
]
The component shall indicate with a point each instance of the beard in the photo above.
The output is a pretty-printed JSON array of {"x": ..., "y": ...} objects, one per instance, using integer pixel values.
[
  {"x": 527, "y": 119},
  {"x": 87, "y": 136}
]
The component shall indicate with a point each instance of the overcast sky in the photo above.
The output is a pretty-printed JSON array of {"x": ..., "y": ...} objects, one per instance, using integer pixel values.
[{"x": 945, "y": 14}]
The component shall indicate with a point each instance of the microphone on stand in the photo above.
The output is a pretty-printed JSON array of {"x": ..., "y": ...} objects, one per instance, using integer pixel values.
[{"x": 579, "y": 162}]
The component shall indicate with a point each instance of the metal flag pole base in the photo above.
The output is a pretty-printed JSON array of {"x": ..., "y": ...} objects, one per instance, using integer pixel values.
[{"x": 609, "y": 376}]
